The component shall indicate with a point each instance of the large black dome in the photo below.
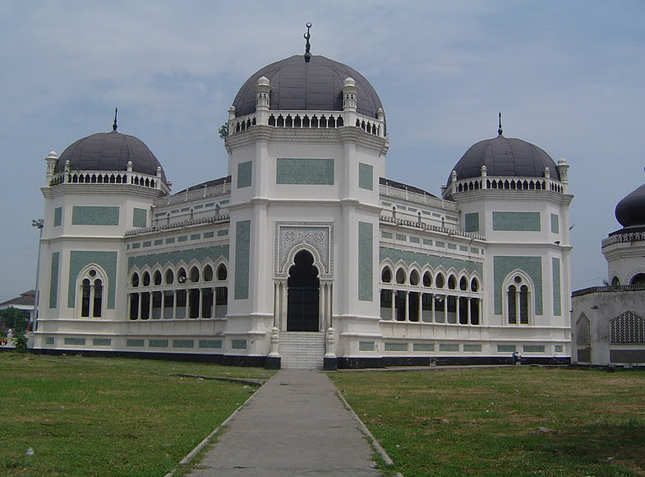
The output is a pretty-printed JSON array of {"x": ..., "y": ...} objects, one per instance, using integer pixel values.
[
  {"x": 109, "y": 152},
  {"x": 630, "y": 211},
  {"x": 316, "y": 85},
  {"x": 505, "y": 157}
]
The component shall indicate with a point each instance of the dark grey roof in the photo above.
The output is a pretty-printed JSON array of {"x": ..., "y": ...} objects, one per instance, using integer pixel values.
[
  {"x": 109, "y": 152},
  {"x": 209, "y": 183},
  {"x": 505, "y": 157},
  {"x": 402, "y": 186},
  {"x": 630, "y": 211},
  {"x": 316, "y": 85},
  {"x": 25, "y": 299}
]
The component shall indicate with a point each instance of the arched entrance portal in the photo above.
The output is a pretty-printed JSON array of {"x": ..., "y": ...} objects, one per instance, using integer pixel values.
[{"x": 303, "y": 294}]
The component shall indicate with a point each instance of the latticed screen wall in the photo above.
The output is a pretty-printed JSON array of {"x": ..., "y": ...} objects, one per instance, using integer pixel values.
[{"x": 627, "y": 328}]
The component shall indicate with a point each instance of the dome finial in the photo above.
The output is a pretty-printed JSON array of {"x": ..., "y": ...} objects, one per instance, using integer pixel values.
[
  {"x": 499, "y": 127},
  {"x": 308, "y": 45},
  {"x": 116, "y": 110}
]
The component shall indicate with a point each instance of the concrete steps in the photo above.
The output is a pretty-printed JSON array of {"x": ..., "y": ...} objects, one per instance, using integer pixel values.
[{"x": 302, "y": 350}]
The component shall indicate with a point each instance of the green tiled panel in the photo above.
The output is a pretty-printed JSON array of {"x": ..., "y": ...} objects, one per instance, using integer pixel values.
[
  {"x": 387, "y": 235},
  {"x": 158, "y": 343},
  {"x": 140, "y": 218},
  {"x": 452, "y": 246},
  {"x": 557, "y": 297},
  {"x": 50, "y": 341},
  {"x": 58, "y": 216},
  {"x": 176, "y": 256},
  {"x": 439, "y": 244},
  {"x": 365, "y": 176},
  {"x": 224, "y": 202},
  {"x": 472, "y": 348},
  {"x": 433, "y": 261},
  {"x": 506, "y": 348},
  {"x": 136, "y": 245},
  {"x": 170, "y": 240},
  {"x": 555, "y": 224},
  {"x": 159, "y": 242},
  {"x": 427, "y": 242},
  {"x": 53, "y": 281},
  {"x": 183, "y": 238},
  {"x": 401, "y": 237},
  {"x": 137, "y": 343},
  {"x": 195, "y": 236},
  {"x": 200, "y": 206},
  {"x": 365, "y": 261},
  {"x": 238, "y": 344},
  {"x": 396, "y": 346},
  {"x": 183, "y": 343},
  {"x": 95, "y": 215},
  {"x": 559, "y": 348},
  {"x": 532, "y": 266},
  {"x": 242, "y": 259},
  {"x": 209, "y": 235},
  {"x": 463, "y": 248},
  {"x": 79, "y": 260},
  {"x": 147, "y": 244},
  {"x": 516, "y": 221},
  {"x": 102, "y": 342},
  {"x": 422, "y": 347},
  {"x": 222, "y": 233},
  {"x": 366, "y": 346},
  {"x": 75, "y": 341},
  {"x": 305, "y": 171},
  {"x": 414, "y": 240},
  {"x": 533, "y": 349},
  {"x": 244, "y": 174},
  {"x": 452, "y": 219},
  {"x": 448, "y": 347},
  {"x": 210, "y": 204},
  {"x": 471, "y": 222},
  {"x": 211, "y": 344}
]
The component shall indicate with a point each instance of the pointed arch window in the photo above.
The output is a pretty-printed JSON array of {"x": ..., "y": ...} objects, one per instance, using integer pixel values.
[
  {"x": 91, "y": 284},
  {"x": 518, "y": 304}
]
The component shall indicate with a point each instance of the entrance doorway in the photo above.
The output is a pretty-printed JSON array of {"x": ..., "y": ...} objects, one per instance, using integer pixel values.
[{"x": 303, "y": 294}]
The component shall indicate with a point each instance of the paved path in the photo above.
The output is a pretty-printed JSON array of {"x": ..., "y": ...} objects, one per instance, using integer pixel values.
[{"x": 294, "y": 425}]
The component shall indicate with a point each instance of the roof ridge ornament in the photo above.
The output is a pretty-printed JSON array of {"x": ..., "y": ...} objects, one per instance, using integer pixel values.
[
  {"x": 308, "y": 45},
  {"x": 499, "y": 127},
  {"x": 114, "y": 126}
]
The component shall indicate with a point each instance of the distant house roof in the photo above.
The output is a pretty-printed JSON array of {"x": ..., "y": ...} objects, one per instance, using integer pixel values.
[{"x": 24, "y": 302}]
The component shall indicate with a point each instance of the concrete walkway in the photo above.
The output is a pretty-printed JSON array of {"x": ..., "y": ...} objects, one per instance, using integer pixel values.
[{"x": 294, "y": 425}]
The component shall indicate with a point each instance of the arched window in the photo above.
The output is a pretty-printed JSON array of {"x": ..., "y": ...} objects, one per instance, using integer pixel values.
[
  {"x": 400, "y": 276},
  {"x": 452, "y": 282},
  {"x": 91, "y": 288},
  {"x": 414, "y": 278},
  {"x": 440, "y": 281},
  {"x": 474, "y": 285},
  {"x": 208, "y": 273},
  {"x": 638, "y": 279},
  {"x": 463, "y": 284},
  {"x": 518, "y": 304},
  {"x": 194, "y": 274},
  {"x": 170, "y": 277},
  {"x": 427, "y": 279},
  {"x": 222, "y": 273},
  {"x": 135, "y": 280},
  {"x": 157, "y": 278},
  {"x": 386, "y": 275},
  {"x": 146, "y": 279}
]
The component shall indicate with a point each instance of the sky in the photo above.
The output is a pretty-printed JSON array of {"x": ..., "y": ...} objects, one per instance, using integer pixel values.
[{"x": 567, "y": 76}]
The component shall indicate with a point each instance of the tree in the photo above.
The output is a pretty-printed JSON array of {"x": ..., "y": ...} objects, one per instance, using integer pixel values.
[
  {"x": 14, "y": 319},
  {"x": 223, "y": 131}
]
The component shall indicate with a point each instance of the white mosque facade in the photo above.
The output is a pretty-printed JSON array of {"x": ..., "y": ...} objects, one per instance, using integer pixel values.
[{"x": 305, "y": 255}]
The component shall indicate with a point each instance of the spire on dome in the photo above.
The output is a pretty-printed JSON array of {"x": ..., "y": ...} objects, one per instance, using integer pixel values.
[
  {"x": 115, "y": 113},
  {"x": 499, "y": 127},
  {"x": 308, "y": 45}
]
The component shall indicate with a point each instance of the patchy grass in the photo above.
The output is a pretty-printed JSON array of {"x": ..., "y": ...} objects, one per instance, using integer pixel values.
[
  {"x": 109, "y": 416},
  {"x": 504, "y": 421}
]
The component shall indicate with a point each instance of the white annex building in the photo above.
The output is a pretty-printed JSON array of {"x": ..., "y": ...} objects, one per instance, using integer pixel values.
[{"x": 305, "y": 254}]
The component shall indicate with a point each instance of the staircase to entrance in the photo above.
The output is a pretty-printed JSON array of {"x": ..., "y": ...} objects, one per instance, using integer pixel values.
[{"x": 302, "y": 350}]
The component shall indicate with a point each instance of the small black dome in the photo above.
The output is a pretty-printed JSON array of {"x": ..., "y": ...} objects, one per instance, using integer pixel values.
[
  {"x": 109, "y": 152},
  {"x": 505, "y": 157},
  {"x": 316, "y": 85},
  {"x": 630, "y": 211}
]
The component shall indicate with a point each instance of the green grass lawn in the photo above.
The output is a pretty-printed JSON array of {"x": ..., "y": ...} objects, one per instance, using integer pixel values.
[
  {"x": 109, "y": 416},
  {"x": 509, "y": 421}
]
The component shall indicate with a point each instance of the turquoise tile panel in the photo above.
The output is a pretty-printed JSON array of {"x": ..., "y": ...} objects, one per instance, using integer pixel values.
[
  {"x": 222, "y": 233},
  {"x": 79, "y": 260},
  {"x": 423, "y": 347},
  {"x": 140, "y": 218},
  {"x": 366, "y": 346},
  {"x": 53, "y": 280},
  {"x": 195, "y": 236},
  {"x": 242, "y": 259},
  {"x": 209, "y": 235},
  {"x": 176, "y": 256},
  {"x": 136, "y": 343},
  {"x": 75, "y": 341},
  {"x": 396, "y": 346},
  {"x": 401, "y": 237},
  {"x": 387, "y": 235},
  {"x": 102, "y": 342},
  {"x": 365, "y": 261},
  {"x": 365, "y": 176},
  {"x": 516, "y": 221},
  {"x": 58, "y": 216},
  {"x": 533, "y": 349},
  {"x": 210, "y": 344},
  {"x": 50, "y": 341},
  {"x": 472, "y": 348},
  {"x": 238, "y": 344},
  {"x": 244, "y": 174},
  {"x": 158, "y": 343},
  {"x": 414, "y": 240},
  {"x": 532, "y": 266},
  {"x": 448, "y": 347},
  {"x": 555, "y": 224},
  {"x": 557, "y": 294},
  {"x": 305, "y": 171},
  {"x": 183, "y": 343},
  {"x": 506, "y": 348},
  {"x": 471, "y": 222},
  {"x": 433, "y": 261},
  {"x": 95, "y": 215}
]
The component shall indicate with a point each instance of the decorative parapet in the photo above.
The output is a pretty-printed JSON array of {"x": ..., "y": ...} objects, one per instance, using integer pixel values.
[
  {"x": 507, "y": 183},
  {"x": 623, "y": 238},
  {"x": 608, "y": 289},
  {"x": 308, "y": 120},
  {"x": 434, "y": 228},
  {"x": 177, "y": 225},
  {"x": 188, "y": 195},
  {"x": 411, "y": 196},
  {"x": 109, "y": 177}
]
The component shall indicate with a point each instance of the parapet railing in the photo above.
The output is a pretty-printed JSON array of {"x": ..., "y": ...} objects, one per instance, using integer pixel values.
[
  {"x": 435, "y": 228},
  {"x": 623, "y": 238},
  {"x": 187, "y": 195},
  {"x": 213, "y": 219}
]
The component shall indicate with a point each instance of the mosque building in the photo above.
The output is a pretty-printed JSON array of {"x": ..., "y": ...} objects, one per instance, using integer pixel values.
[
  {"x": 305, "y": 255},
  {"x": 609, "y": 326}
]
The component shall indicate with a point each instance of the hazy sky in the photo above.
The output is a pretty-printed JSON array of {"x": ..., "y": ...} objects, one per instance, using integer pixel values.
[{"x": 567, "y": 76}]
